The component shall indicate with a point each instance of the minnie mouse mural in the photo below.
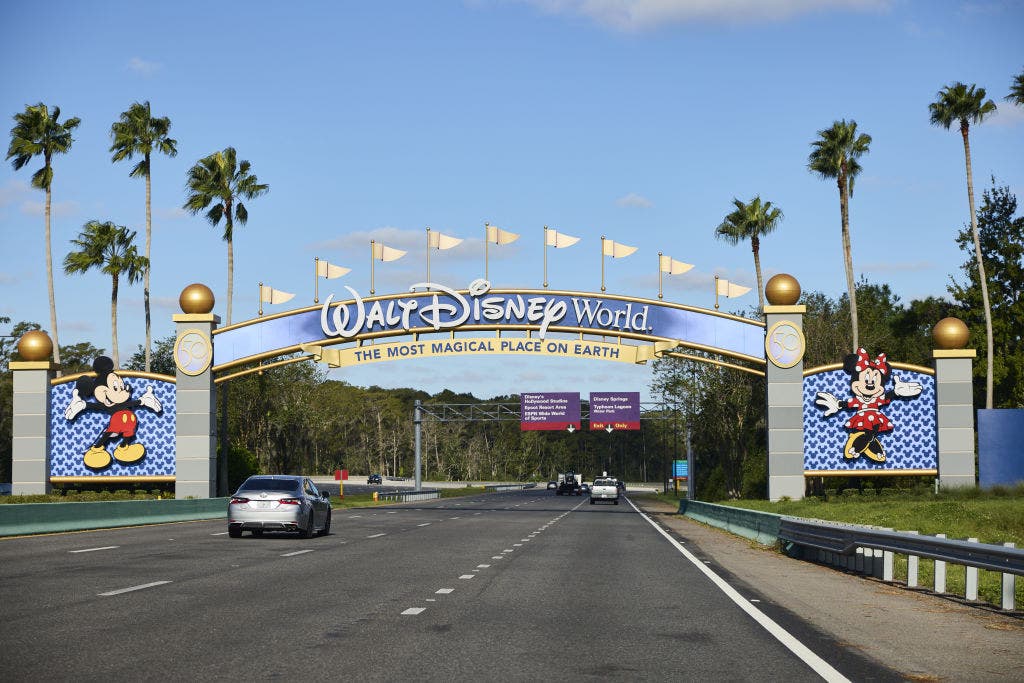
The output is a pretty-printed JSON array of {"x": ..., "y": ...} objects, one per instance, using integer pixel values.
[{"x": 868, "y": 379}]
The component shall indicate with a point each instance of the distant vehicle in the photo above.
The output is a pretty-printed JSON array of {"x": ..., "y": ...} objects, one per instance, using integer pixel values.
[
  {"x": 604, "y": 488},
  {"x": 279, "y": 503},
  {"x": 585, "y": 487},
  {"x": 552, "y": 485},
  {"x": 621, "y": 485},
  {"x": 374, "y": 479},
  {"x": 569, "y": 484}
]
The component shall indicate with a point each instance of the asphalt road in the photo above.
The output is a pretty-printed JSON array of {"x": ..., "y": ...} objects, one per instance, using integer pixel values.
[{"x": 510, "y": 586}]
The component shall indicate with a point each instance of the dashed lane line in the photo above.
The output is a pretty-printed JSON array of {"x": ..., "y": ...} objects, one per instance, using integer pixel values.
[
  {"x": 91, "y": 550},
  {"x": 376, "y": 535},
  {"x": 298, "y": 552},
  {"x": 444, "y": 591},
  {"x": 133, "y": 588},
  {"x": 412, "y": 611}
]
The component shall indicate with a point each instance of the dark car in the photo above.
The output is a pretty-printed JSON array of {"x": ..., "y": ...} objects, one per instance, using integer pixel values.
[
  {"x": 621, "y": 485},
  {"x": 279, "y": 503},
  {"x": 552, "y": 485},
  {"x": 374, "y": 479}
]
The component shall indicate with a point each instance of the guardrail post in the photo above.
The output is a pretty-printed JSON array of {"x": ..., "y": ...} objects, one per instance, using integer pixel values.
[
  {"x": 888, "y": 558},
  {"x": 859, "y": 561},
  {"x": 971, "y": 579},
  {"x": 1008, "y": 586},
  {"x": 940, "y": 572},
  {"x": 912, "y": 567}
]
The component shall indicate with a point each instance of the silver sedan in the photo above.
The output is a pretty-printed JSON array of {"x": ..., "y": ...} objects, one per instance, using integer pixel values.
[{"x": 279, "y": 502}]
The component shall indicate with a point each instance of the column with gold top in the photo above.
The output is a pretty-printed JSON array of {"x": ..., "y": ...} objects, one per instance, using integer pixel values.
[
  {"x": 784, "y": 381},
  {"x": 195, "y": 395},
  {"x": 954, "y": 398},
  {"x": 30, "y": 429}
]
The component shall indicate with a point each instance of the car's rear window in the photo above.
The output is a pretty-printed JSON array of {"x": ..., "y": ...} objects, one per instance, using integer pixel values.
[
  {"x": 604, "y": 482},
  {"x": 283, "y": 485}
]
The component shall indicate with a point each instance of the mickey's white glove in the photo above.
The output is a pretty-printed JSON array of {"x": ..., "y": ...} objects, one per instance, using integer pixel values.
[
  {"x": 829, "y": 402},
  {"x": 905, "y": 389},
  {"x": 76, "y": 406},
  {"x": 150, "y": 400}
]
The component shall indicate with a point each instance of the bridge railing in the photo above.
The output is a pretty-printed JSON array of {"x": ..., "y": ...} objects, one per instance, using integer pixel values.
[
  {"x": 870, "y": 550},
  {"x": 409, "y": 496}
]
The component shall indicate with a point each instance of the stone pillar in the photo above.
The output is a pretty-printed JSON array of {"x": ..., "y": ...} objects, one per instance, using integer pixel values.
[
  {"x": 784, "y": 382},
  {"x": 954, "y": 399},
  {"x": 196, "y": 396},
  {"x": 30, "y": 424}
]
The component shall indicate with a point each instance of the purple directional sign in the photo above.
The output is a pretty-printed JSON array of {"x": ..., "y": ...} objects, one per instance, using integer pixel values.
[
  {"x": 549, "y": 411},
  {"x": 614, "y": 410}
]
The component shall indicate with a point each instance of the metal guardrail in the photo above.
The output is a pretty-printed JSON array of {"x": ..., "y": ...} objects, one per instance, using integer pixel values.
[
  {"x": 845, "y": 539},
  {"x": 508, "y": 487},
  {"x": 409, "y": 496}
]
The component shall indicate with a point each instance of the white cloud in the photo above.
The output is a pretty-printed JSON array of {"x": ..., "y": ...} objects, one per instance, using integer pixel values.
[
  {"x": 1007, "y": 115},
  {"x": 57, "y": 209},
  {"x": 634, "y": 200},
  {"x": 142, "y": 67},
  {"x": 640, "y": 15},
  {"x": 13, "y": 192}
]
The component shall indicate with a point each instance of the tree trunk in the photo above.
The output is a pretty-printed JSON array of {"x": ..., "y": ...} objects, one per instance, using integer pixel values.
[
  {"x": 145, "y": 284},
  {"x": 113, "y": 322},
  {"x": 755, "y": 245},
  {"x": 49, "y": 283},
  {"x": 844, "y": 210},
  {"x": 231, "y": 276},
  {"x": 964, "y": 127}
]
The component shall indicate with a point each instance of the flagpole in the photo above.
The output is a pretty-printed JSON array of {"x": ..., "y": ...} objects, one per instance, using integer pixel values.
[
  {"x": 716, "y": 292},
  {"x": 545, "y": 256},
  {"x": 660, "y": 295},
  {"x": 316, "y": 279},
  {"x": 486, "y": 249},
  {"x": 602, "y": 263},
  {"x": 428, "y": 254},
  {"x": 261, "y": 299},
  {"x": 371, "y": 267}
]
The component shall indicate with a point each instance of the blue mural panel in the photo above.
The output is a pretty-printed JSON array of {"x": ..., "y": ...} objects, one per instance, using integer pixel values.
[
  {"x": 1000, "y": 459},
  {"x": 70, "y": 440},
  {"x": 911, "y": 445}
]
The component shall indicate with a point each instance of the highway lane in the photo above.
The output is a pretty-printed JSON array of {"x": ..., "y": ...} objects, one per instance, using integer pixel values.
[{"x": 518, "y": 585}]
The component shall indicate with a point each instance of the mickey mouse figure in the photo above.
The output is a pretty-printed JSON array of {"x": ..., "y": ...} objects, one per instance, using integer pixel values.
[
  {"x": 867, "y": 384},
  {"x": 113, "y": 396}
]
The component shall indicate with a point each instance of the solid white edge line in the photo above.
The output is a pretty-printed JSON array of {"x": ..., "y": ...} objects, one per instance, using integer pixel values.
[
  {"x": 817, "y": 664},
  {"x": 133, "y": 588},
  {"x": 89, "y": 550}
]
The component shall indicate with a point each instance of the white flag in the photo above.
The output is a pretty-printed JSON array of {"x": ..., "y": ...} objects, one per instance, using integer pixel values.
[
  {"x": 672, "y": 267},
  {"x": 382, "y": 253},
  {"x": 559, "y": 240},
  {"x": 498, "y": 236},
  {"x": 269, "y": 295},
  {"x": 325, "y": 269},
  {"x": 730, "y": 289},
  {"x": 616, "y": 250},
  {"x": 436, "y": 240}
]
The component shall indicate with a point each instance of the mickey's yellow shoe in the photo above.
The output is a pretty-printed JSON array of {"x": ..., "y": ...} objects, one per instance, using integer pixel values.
[
  {"x": 96, "y": 458},
  {"x": 133, "y": 452}
]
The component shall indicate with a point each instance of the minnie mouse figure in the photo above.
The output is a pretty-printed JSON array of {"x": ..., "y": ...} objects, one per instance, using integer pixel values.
[
  {"x": 867, "y": 384},
  {"x": 113, "y": 397}
]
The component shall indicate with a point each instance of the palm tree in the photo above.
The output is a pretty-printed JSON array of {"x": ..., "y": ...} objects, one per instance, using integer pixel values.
[
  {"x": 963, "y": 103},
  {"x": 750, "y": 221},
  {"x": 222, "y": 181},
  {"x": 139, "y": 133},
  {"x": 111, "y": 248},
  {"x": 1017, "y": 90},
  {"x": 835, "y": 156},
  {"x": 36, "y": 131}
]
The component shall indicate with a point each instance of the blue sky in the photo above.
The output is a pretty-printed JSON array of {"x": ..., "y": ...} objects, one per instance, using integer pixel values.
[{"x": 635, "y": 119}]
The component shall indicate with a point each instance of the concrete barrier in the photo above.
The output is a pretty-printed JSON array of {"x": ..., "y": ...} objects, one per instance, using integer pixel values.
[
  {"x": 42, "y": 518},
  {"x": 762, "y": 527}
]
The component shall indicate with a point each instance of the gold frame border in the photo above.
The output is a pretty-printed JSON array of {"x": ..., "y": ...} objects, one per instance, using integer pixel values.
[
  {"x": 123, "y": 373},
  {"x": 870, "y": 473},
  {"x": 161, "y": 479}
]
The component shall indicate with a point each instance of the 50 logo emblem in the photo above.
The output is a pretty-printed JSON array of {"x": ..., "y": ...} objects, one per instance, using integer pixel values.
[{"x": 784, "y": 344}]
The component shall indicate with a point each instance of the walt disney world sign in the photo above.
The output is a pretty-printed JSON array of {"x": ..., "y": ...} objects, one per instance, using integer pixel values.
[{"x": 431, "y": 308}]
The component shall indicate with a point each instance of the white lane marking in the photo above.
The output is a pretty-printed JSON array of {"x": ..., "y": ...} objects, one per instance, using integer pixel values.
[
  {"x": 298, "y": 552},
  {"x": 467, "y": 576},
  {"x": 477, "y": 513},
  {"x": 482, "y": 566},
  {"x": 819, "y": 665},
  {"x": 376, "y": 535},
  {"x": 496, "y": 557},
  {"x": 89, "y": 550},
  {"x": 517, "y": 545},
  {"x": 133, "y": 588},
  {"x": 444, "y": 591},
  {"x": 220, "y": 533},
  {"x": 429, "y": 599},
  {"x": 392, "y": 512},
  {"x": 412, "y": 611},
  {"x": 424, "y": 524},
  {"x": 354, "y": 516},
  {"x": 453, "y": 518},
  {"x": 508, "y": 550}
]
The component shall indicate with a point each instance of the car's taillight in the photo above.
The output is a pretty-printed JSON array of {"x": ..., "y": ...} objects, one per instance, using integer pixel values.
[
  {"x": 238, "y": 500},
  {"x": 290, "y": 501}
]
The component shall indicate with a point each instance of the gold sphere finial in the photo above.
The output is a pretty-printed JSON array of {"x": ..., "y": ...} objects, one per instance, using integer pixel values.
[
  {"x": 35, "y": 345},
  {"x": 196, "y": 298},
  {"x": 950, "y": 333},
  {"x": 782, "y": 290}
]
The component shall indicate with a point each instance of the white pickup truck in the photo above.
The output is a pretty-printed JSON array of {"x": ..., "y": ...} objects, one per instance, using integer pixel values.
[{"x": 604, "y": 488}]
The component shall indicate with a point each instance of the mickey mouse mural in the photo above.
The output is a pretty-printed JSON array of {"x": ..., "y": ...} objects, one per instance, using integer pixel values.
[
  {"x": 868, "y": 379},
  {"x": 114, "y": 397}
]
